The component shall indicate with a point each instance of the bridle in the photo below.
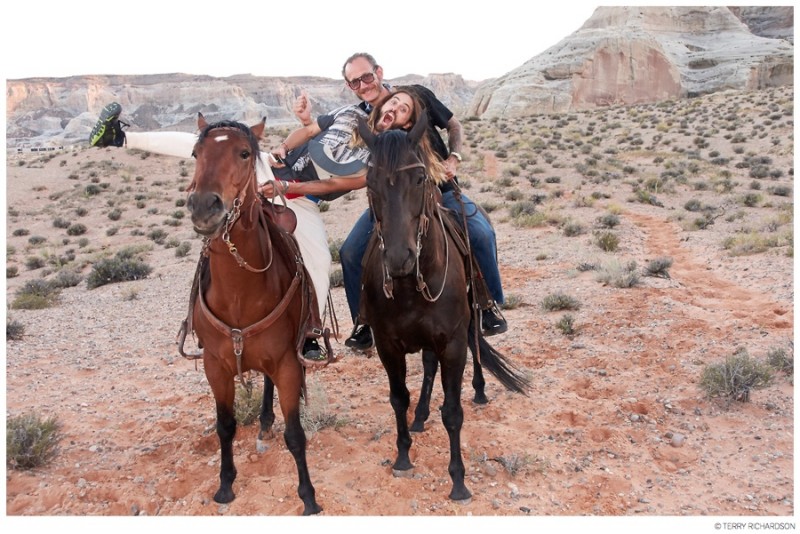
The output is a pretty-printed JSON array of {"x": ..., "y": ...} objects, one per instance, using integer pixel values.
[{"x": 422, "y": 230}]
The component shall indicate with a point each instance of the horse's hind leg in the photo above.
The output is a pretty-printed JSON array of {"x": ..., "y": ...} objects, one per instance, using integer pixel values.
[
  {"x": 429, "y": 364},
  {"x": 267, "y": 415},
  {"x": 289, "y": 385},
  {"x": 453, "y": 419},
  {"x": 478, "y": 382}
]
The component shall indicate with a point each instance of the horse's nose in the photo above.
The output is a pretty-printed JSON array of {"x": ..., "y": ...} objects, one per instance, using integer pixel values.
[
  {"x": 399, "y": 261},
  {"x": 204, "y": 204}
]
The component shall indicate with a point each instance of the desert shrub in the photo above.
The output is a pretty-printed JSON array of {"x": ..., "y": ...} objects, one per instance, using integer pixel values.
[
  {"x": 693, "y": 205},
  {"x": 14, "y": 330},
  {"x": 36, "y": 240},
  {"x": 751, "y": 200},
  {"x": 734, "y": 378},
  {"x": 247, "y": 404},
  {"x": 60, "y": 222},
  {"x": 616, "y": 274},
  {"x": 115, "y": 214},
  {"x": 157, "y": 235},
  {"x": 315, "y": 412},
  {"x": 19, "y": 232},
  {"x": 31, "y": 441},
  {"x": 511, "y": 301},
  {"x": 66, "y": 278},
  {"x": 560, "y": 301},
  {"x": 183, "y": 249},
  {"x": 76, "y": 229},
  {"x": 779, "y": 360},
  {"x": 608, "y": 220},
  {"x": 35, "y": 295},
  {"x": 566, "y": 324},
  {"x": 34, "y": 262},
  {"x": 12, "y": 271},
  {"x": 572, "y": 229},
  {"x": 333, "y": 247},
  {"x": 607, "y": 241},
  {"x": 658, "y": 267},
  {"x": 121, "y": 268},
  {"x": 336, "y": 278},
  {"x": 92, "y": 190}
]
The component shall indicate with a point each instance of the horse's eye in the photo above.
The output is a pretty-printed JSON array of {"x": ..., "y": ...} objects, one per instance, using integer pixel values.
[{"x": 245, "y": 154}]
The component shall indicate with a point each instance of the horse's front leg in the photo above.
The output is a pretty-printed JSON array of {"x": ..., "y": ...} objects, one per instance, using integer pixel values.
[
  {"x": 267, "y": 415},
  {"x": 429, "y": 365},
  {"x": 395, "y": 365},
  {"x": 222, "y": 386},
  {"x": 453, "y": 417},
  {"x": 289, "y": 382}
]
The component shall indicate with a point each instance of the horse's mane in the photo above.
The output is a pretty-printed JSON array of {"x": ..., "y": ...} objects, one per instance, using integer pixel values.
[
  {"x": 254, "y": 148},
  {"x": 389, "y": 146}
]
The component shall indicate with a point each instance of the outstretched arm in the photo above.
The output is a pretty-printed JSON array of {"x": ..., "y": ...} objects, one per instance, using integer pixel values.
[
  {"x": 336, "y": 184},
  {"x": 296, "y": 139}
]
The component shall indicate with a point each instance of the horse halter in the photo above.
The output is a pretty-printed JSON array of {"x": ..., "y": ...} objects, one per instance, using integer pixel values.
[
  {"x": 232, "y": 216},
  {"x": 422, "y": 229}
]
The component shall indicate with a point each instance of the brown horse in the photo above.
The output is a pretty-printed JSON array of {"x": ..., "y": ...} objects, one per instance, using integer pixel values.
[
  {"x": 415, "y": 294},
  {"x": 252, "y": 295}
]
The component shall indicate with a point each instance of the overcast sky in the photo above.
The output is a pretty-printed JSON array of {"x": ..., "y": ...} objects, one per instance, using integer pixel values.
[{"x": 479, "y": 40}]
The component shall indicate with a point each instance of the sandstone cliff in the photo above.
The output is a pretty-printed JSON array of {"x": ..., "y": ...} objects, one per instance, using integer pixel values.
[
  {"x": 63, "y": 110},
  {"x": 633, "y": 55}
]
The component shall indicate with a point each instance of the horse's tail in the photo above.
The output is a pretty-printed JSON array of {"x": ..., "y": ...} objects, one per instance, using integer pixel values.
[{"x": 501, "y": 368}]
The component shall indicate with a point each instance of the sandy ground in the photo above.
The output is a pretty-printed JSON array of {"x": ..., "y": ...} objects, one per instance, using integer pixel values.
[{"x": 615, "y": 425}]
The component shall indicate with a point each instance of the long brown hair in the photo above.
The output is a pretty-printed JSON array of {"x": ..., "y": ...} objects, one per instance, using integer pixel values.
[{"x": 433, "y": 163}]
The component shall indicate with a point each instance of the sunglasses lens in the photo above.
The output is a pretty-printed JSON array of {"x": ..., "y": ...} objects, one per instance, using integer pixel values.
[{"x": 367, "y": 78}]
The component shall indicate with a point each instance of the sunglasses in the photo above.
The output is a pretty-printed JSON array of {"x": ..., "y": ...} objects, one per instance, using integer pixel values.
[{"x": 366, "y": 78}]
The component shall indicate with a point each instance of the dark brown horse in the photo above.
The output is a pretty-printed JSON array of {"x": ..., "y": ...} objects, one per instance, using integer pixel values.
[
  {"x": 415, "y": 293},
  {"x": 251, "y": 300}
]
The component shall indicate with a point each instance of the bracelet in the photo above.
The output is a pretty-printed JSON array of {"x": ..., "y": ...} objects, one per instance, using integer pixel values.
[
  {"x": 285, "y": 146},
  {"x": 285, "y": 186}
]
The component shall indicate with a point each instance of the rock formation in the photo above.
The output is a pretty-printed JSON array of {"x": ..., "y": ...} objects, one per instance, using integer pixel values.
[{"x": 633, "y": 55}]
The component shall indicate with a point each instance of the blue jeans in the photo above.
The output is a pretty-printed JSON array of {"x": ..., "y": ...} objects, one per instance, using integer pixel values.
[{"x": 482, "y": 241}]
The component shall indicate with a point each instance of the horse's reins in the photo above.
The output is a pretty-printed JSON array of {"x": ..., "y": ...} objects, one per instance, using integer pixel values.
[{"x": 422, "y": 229}]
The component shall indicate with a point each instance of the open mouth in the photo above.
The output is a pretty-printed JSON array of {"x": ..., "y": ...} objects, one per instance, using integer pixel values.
[{"x": 387, "y": 119}]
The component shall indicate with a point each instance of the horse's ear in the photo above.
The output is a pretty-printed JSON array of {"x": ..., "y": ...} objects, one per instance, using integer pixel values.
[
  {"x": 419, "y": 129},
  {"x": 201, "y": 121},
  {"x": 365, "y": 133},
  {"x": 258, "y": 129}
]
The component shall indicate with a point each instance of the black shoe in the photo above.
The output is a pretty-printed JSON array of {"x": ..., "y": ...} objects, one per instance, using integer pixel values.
[
  {"x": 492, "y": 323},
  {"x": 361, "y": 338},
  {"x": 107, "y": 130},
  {"x": 312, "y": 351}
]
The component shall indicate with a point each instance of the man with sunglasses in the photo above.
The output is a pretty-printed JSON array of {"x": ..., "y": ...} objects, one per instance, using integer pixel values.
[{"x": 364, "y": 77}]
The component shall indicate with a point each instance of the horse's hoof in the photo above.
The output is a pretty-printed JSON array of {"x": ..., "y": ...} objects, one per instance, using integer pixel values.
[
  {"x": 403, "y": 473},
  {"x": 224, "y": 496},
  {"x": 462, "y": 496},
  {"x": 417, "y": 427},
  {"x": 480, "y": 399},
  {"x": 313, "y": 509}
]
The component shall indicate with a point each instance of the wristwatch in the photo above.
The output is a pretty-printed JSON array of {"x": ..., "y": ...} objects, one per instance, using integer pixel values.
[{"x": 457, "y": 155}]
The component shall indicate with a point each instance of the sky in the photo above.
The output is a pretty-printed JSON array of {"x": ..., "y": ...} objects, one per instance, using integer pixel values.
[{"x": 478, "y": 40}]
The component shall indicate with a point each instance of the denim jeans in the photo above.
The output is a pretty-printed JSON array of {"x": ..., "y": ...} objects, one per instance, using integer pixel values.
[{"x": 481, "y": 238}]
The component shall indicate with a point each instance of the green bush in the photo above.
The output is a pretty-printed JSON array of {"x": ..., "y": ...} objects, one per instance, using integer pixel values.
[
  {"x": 14, "y": 330},
  {"x": 35, "y": 295},
  {"x": 247, "y": 404},
  {"x": 117, "y": 269},
  {"x": 31, "y": 441},
  {"x": 735, "y": 377},
  {"x": 566, "y": 324},
  {"x": 607, "y": 241},
  {"x": 560, "y": 301},
  {"x": 658, "y": 267}
]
